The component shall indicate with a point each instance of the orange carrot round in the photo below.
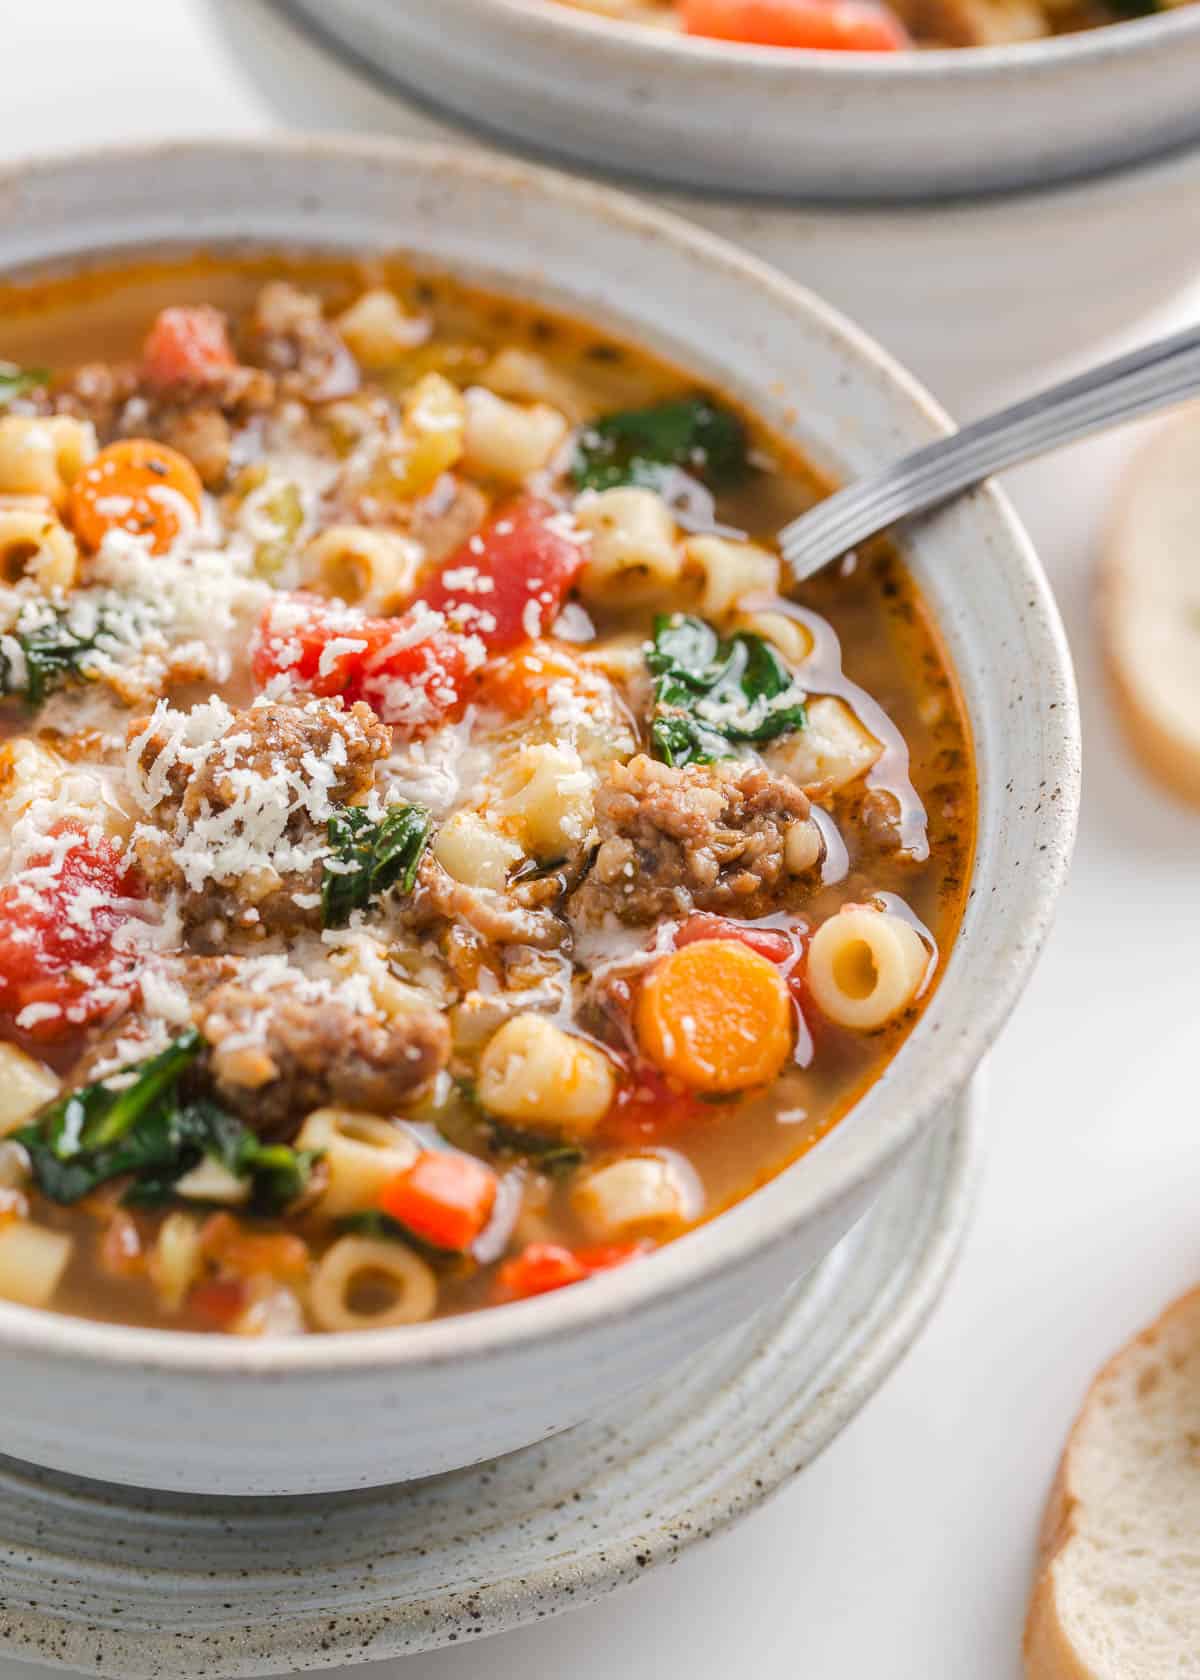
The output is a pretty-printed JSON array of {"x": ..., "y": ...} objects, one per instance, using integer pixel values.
[
  {"x": 135, "y": 486},
  {"x": 716, "y": 1016}
]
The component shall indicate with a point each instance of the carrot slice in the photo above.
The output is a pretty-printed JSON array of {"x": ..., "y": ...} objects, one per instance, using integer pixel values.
[
  {"x": 515, "y": 682},
  {"x": 444, "y": 1198},
  {"x": 136, "y": 486},
  {"x": 829, "y": 25},
  {"x": 717, "y": 1016}
]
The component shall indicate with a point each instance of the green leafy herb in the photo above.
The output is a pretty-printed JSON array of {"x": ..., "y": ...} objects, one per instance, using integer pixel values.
[
  {"x": 638, "y": 446},
  {"x": 101, "y": 1115},
  {"x": 371, "y": 858},
  {"x": 142, "y": 1127},
  {"x": 18, "y": 382},
  {"x": 373, "y": 1222},
  {"x": 54, "y": 654},
  {"x": 711, "y": 695},
  {"x": 550, "y": 1155}
]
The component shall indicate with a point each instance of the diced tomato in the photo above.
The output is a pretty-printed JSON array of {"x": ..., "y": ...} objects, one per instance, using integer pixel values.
[
  {"x": 58, "y": 966},
  {"x": 508, "y": 583},
  {"x": 187, "y": 347},
  {"x": 445, "y": 1198},
  {"x": 415, "y": 681},
  {"x": 772, "y": 943},
  {"x": 218, "y": 1301},
  {"x": 539, "y": 1268},
  {"x": 411, "y": 671},
  {"x": 648, "y": 1107},
  {"x": 542, "y": 1267},
  {"x": 830, "y": 25}
]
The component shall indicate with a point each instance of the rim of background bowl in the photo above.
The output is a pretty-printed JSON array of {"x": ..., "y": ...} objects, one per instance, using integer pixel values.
[
  {"x": 655, "y": 47},
  {"x": 737, "y": 1236}
]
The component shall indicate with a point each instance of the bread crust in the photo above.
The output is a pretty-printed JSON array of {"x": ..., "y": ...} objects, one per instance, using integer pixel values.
[
  {"x": 1048, "y": 1650},
  {"x": 1171, "y": 758}
]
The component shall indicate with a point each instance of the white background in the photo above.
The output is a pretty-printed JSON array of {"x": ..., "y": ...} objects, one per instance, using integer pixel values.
[{"x": 905, "y": 1552}]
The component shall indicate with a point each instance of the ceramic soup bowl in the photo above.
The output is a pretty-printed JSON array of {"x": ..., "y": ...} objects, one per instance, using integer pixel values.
[
  {"x": 227, "y": 1415},
  {"x": 774, "y": 122}
]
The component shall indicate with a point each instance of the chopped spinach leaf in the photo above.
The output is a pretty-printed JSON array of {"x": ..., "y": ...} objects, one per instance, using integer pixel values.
[
  {"x": 99, "y": 1116},
  {"x": 53, "y": 654},
  {"x": 678, "y": 739},
  {"x": 371, "y": 858},
  {"x": 278, "y": 1173},
  {"x": 712, "y": 695},
  {"x": 637, "y": 446},
  {"x": 140, "y": 1126},
  {"x": 550, "y": 1155},
  {"x": 373, "y": 1222},
  {"x": 18, "y": 382}
]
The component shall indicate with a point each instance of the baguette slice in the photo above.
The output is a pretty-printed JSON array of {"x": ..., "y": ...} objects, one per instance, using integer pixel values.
[
  {"x": 1150, "y": 604},
  {"x": 1118, "y": 1589}
]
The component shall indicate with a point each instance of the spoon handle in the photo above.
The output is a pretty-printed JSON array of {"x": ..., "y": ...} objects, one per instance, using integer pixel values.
[{"x": 1153, "y": 377}]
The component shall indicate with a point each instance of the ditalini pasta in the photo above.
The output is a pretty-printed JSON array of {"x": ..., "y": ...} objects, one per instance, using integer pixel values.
[{"x": 438, "y": 861}]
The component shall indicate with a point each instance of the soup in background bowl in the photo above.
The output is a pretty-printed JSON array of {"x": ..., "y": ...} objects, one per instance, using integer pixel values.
[
  {"x": 435, "y": 828},
  {"x": 773, "y": 126},
  {"x": 866, "y": 27}
]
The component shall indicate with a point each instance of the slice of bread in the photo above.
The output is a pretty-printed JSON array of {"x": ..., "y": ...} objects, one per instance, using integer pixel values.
[
  {"x": 1118, "y": 1589},
  {"x": 1150, "y": 604}
]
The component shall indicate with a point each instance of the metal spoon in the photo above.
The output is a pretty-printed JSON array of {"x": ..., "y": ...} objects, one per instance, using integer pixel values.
[{"x": 1151, "y": 378}]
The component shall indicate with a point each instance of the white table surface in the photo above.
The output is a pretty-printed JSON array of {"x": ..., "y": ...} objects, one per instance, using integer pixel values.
[{"x": 905, "y": 1552}]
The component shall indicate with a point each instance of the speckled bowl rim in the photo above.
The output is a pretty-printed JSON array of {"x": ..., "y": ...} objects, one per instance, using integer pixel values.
[
  {"x": 651, "y": 49},
  {"x": 736, "y": 1237}
]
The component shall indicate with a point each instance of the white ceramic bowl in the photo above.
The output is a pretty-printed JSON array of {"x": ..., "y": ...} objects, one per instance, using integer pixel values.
[
  {"x": 687, "y": 112},
  {"x": 982, "y": 299},
  {"x": 166, "y": 1409}
]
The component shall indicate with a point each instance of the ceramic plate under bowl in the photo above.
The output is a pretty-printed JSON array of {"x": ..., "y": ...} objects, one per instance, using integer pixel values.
[
  {"x": 141, "y": 1584},
  {"x": 777, "y": 123}
]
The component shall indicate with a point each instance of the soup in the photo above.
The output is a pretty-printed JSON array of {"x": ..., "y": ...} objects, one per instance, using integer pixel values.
[
  {"x": 862, "y": 26},
  {"x": 440, "y": 864}
]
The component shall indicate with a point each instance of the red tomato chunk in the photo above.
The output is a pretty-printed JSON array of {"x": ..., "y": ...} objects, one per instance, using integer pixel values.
[
  {"x": 648, "y": 1107},
  {"x": 187, "y": 347},
  {"x": 508, "y": 583},
  {"x": 411, "y": 671},
  {"x": 58, "y": 966},
  {"x": 542, "y": 1267},
  {"x": 782, "y": 946}
]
